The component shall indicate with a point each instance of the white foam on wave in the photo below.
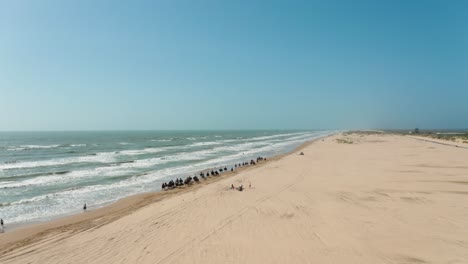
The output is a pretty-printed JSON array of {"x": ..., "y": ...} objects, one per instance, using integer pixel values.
[
  {"x": 263, "y": 138},
  {"x": 78, "y": 145},
  {"x": 30, "y": 200},
  {"x": 208, "y": 143},
  {"x": 135, "y": 152},
  {"x": 276, "y": 136},
  {"x": 228, "y": 140},
  {"x": 34, "y": 147},
  {"x": 160, "y": 140},
  {"x": 105, "y": 157},
  {"x": 117, "y": 170},
  {"x": 184, "y": 156},
  {"x": 101, "y": 157},
  {"x": 240, "y": 147},
  {"x": 69, "y": 177},
  {"x": 299, "y": 137},
  {"x": 31, "y": 147}
]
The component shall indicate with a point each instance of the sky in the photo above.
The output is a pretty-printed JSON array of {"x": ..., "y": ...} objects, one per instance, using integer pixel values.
[{"x": 239, "y": 64}]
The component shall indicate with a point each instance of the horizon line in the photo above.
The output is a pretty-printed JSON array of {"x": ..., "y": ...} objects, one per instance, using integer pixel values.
[{"x": 247, "y": 129}]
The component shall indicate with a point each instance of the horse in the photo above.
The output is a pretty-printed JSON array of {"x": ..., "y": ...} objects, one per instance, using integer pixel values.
[
  {"x": 171, "y": 184},
  {"x": 188, "y": 180}
]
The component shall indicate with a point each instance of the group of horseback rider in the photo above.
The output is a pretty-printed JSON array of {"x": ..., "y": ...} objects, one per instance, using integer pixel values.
[{"x": 179, "y": 182}]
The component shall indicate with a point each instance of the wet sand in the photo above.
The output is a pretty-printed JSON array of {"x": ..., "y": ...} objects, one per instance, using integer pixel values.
[{"x": 362, "y": 199}]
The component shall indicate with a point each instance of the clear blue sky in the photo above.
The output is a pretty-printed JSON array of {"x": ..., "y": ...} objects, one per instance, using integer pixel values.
[{"x": 169, "y": 64}]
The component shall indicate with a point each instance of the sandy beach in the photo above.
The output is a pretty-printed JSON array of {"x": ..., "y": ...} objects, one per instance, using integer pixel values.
[{"x": 352, "y": 198}]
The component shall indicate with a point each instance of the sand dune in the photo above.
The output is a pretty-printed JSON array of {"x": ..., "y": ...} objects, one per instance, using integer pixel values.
[{"x": 369, "y": 199}]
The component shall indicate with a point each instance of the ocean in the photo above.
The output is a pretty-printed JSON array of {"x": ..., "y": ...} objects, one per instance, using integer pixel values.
[{"x": 45, "y": 175}]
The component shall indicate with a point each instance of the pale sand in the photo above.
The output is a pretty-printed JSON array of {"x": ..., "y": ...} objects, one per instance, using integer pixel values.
[
  {"x": 382, "y": 199},
  {"x": 458, "y": 143}
]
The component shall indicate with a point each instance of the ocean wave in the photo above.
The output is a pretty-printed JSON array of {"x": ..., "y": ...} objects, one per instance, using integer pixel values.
[
  {"x": 4, "y": 204},
  {"x": 100, "y": 157},
  {"x": 275, "y": 136},
  {"x": 135, "y": 152},
  {"x": 36, "y": 147},
  {"x": 240, "y": 147},
  {"x": 96, "y": 158},
  {"x": 290, "y": 138},
  {"x": 28, "y": 200},
  {"x": 78, "y": 145},
  {"x": 208, "y": 143},
  {"x": 229, "y": 140},
  {"x": 119, "y": 168},
  {"x": 187, "y": 156},
  {"x": 69, "y": 177},
  {"x": 160, "y": 140},
  {"x": 30, "y": 175},
  {"x": 31, "y": 147},
  {"x": 264, "y": 138},
  {"x": 109, "y": 157}
]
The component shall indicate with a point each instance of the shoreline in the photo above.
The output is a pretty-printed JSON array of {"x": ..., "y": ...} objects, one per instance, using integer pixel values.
[
  {"x": 352, "y": 197},
  {"x": 24, "y": 234}
]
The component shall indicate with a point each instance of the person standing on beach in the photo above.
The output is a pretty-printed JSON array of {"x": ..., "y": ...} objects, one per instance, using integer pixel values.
[
  {"x": 84, "y": 207},
  {"x": 1, "y": 222}
]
